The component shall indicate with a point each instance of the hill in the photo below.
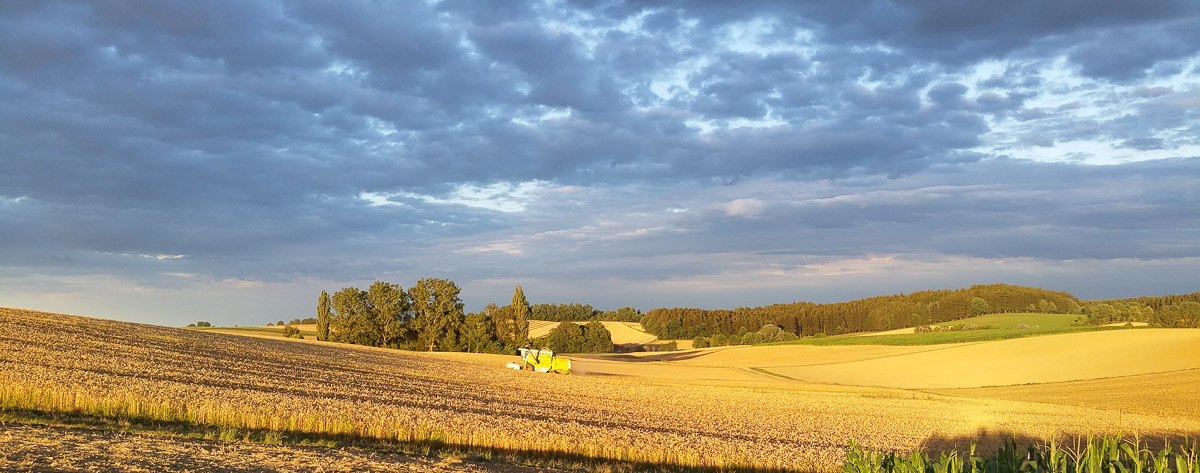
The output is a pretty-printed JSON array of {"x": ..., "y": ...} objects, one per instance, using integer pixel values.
[{"x": 863, "y": 315}]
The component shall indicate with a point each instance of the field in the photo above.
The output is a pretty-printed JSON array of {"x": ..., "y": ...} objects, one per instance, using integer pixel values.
[
  {"x": 623, "y": 333},
  {"x": 272, "y": 331},
  {"x": 790, "y": 407}
]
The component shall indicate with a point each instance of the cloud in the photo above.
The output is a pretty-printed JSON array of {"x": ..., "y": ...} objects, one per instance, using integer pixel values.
[
  {"x": 241, "y": 284},
  {"x": 744, "y": 207},
  {"x": 627, "y": 142}
]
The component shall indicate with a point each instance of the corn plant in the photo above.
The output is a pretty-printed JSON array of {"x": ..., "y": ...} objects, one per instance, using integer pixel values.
[{"x": 1103, "y": 454}]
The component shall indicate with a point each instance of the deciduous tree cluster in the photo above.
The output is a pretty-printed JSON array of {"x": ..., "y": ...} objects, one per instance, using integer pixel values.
[
  {"x": 769, "y": 333},
  {"x": 570, "y": 337},
  {"x": 576, "y": 312},
  {"x": 427, "y": 316},
  {"x": 1181, "y": 310}
]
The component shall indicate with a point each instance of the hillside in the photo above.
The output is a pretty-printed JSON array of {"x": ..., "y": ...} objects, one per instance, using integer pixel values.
[
  {"x": 733, "y": 406},
  {"x": 864, "y": 315},
  {"x": 1046, "y": 359}
]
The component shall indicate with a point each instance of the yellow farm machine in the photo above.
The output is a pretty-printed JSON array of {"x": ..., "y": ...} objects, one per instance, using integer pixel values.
[{"x": 542, "y": 361}]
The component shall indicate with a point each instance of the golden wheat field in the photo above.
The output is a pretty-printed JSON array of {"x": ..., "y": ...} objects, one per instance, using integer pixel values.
[
  {"x": 1044, "y": 359},
  {"x": 734, "y": 407},
  {"x": 622, "y": 332}
]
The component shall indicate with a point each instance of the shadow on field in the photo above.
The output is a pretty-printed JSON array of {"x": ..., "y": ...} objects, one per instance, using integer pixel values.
[
  {"x": 535, "y": 459},
  {"x": 987, "y": 442},
  {"x": 665, "y": 356}
]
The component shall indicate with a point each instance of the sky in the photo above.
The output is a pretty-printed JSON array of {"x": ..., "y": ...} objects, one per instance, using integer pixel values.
[{"x": 169, "y": 162}]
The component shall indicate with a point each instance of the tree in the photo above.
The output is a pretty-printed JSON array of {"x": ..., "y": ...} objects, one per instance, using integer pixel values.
[
  {"x": 438, "y": 311},
  {"x": 520, "y": 317},
  {"x": 626, "y": 314},
  {"x": 1073, "y": 307},
  {"x": 388, "y": 304},
  {"x": 567, "y": 337},
  {"x": 979, "y": 306},
  {"x": 674, "y": 330},
  {"x": 292, "y": 332},
  {"x": 323, "y": 316},
  {"x": 1100, "y": 314},
  {"x": 354, "y": 321},
  {"x": 479, "y": 333},
  {"x": 1182, "y": 314},
  {"x": 1047, "y": 306},
  {"x": 769, "y": 333},
  {"x": 596, "y": 338},
  {"x": 502, "y": 320}
]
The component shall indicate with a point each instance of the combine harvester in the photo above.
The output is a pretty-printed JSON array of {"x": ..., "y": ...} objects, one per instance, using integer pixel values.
[{"x": 542, "y": 361}]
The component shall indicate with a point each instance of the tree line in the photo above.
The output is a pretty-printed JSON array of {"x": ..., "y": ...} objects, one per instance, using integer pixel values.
[
  {"x": 769, "y": 333},
  {"x": 427, "y": 316},
  {"x": 870, "y": 314},
  {"x": 1179, "y": 310},
  {"x": 576, "y": 312}
]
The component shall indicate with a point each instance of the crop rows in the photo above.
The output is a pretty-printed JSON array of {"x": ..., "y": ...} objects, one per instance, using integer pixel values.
[{"x": 66, "y": 363}]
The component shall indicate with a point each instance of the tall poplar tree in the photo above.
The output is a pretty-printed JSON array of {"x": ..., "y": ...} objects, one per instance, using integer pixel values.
[
  {"x": 323, "y": 316},
  {"x": 520, "y": 317}
]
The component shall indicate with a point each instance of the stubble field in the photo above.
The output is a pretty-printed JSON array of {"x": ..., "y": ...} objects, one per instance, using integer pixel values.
[
  {"x": 622, "y": 332},
  {"x": 737, "y": 407}
]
